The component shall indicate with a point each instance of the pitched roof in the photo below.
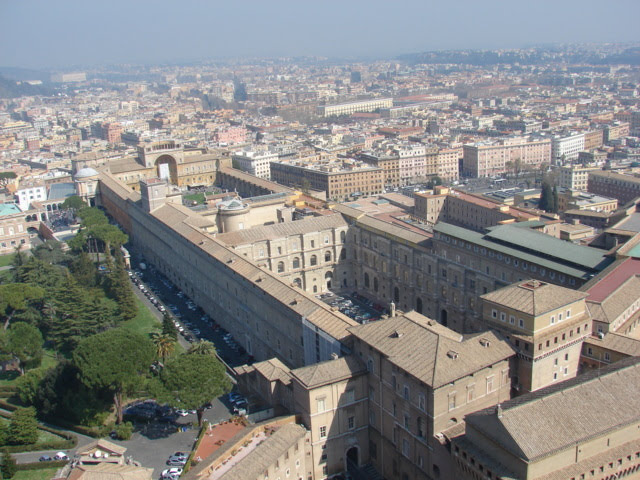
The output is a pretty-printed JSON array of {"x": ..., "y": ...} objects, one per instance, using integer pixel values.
[
  {"x": 534, "y": 297},
  {"x": 110, "y": 471},
  {"x": 274, "y": 369},
  {"x": 282, "y": 230},
  {"x": 265, "y": 454},
  {"x": 102, "y": 444},
  {"x": 429, "y": 351},
  {"x": 609, "y": 309},
  {"x": 330, "y": 371},
  {"x": 557, "y": 417}
]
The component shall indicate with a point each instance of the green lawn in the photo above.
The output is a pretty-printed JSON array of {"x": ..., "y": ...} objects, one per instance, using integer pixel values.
[
  {"x": 6, "y": 259},
  {"x": 43, "y": 437},
  {"x": 194, "y": 197},
  {"x": 144, "y": 322},
  {"x": 49, "y": 360},
  {"x": 42, "y": 474}
]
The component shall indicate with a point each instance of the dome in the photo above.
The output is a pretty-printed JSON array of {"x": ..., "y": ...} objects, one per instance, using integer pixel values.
[{"x": 85, "y": 173}]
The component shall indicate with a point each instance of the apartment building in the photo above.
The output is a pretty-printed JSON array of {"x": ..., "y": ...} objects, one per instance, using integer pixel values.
[
  {"x": 566, "y": 148},
  {"x": 574, "y": 177},
  {"x": 341, "y": 180},
  {"x": 254, "y": 163},
  {"x": 622, "y": 186},
  {"x": 491, "y": 158}
]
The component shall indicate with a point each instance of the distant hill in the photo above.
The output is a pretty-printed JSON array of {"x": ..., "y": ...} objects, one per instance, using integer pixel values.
[
  {"x": 12, "y": 89},
  {"x": 20, "y": 74}
]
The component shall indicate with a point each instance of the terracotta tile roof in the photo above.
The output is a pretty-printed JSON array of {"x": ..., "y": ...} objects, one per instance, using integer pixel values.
[
  {"x": 534, "y": 297},
  {"x": 609, "y": 309},
  {"x": 329, "y": 371},
  {"x": 429, "y": 351},
  {"x": 555, "y": 418}
]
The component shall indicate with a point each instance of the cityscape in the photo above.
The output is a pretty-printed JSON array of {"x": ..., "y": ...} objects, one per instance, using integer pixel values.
[{"x": 317, "y": 262}]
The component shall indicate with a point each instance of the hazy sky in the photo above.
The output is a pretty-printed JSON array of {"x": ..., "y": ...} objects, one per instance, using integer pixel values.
[{"x": 51, "y": 33}]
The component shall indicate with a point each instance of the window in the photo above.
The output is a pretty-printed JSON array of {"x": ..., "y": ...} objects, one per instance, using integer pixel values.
[
  {"x": 553, "y": 319},
  {"x": 503, "y": 317},
  {"x": 407, "y": 421},
  {"x": 323, "y": 432},
  {"x": 521, "y": 323},
  {"x": 607, "y": 357},
  {"x": 321, "y": 405},
  {"x": 490, "y": 387},
  {"x": 471, "y": 393},
  {"x": 296, "y": 262},
  {"x": 280, "y": 267},
  {"x": 452, "y": 401},
  {"x": 512, "y": 319},
  {"x": 421, "y": 402},
  {"x": 494, "y": 313},
  {"x": 405, "y": 392},
  {"x": 327, "y": 256},
  {"x": 405, "y": 447},
  {"x": 314, "y": 260},
  {"x": 351, "y": 422}
]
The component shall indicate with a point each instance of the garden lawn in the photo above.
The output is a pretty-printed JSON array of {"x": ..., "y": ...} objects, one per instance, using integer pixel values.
[
  {"x": 144, "y": 322},
  {"x": 5, "y": 260},
  {"x": 49, "y": 360},
  {"x": 43, "y": 437},
  {"x": 42, "y": 474}
]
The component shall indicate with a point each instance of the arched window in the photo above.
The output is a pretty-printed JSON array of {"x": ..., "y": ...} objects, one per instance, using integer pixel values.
[
  {"x": 280, "y": 267},
  {"x": 396, "y": 294},
  {"x": 375, "y": 283},
  {"x": 297, "y": 282},
  {"x": 419, "y": 305},
  {"x": 366, "y": 280},
  {"x": 314, "y": 260},
  {"x": 296, "y": 262},
  {"x": 327, "y": 256}
]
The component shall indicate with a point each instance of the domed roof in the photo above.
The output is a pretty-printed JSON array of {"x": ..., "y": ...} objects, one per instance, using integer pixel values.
[{"x": 86, "y": 172}]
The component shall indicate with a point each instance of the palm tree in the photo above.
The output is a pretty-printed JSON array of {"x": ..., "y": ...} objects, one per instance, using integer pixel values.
[
  {"x": 165, "y": 345},
  {"x": 203, "y": 347}
]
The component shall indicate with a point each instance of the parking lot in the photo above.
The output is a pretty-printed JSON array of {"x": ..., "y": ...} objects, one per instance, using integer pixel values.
[{"x": 355, "y": 306}]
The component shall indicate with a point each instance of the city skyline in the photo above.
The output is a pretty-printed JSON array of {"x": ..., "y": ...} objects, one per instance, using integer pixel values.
[{"x": 74, "y": 33}]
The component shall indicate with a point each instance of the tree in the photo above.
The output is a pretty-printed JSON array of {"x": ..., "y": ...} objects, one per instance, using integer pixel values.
[
  {"x": 190, "y": 381},
  {"x": 119, "y": 288},
  {"x": 23, "y": 429},
  {"x": 168, "y": 327},
  {"x": 546, "y": 197},
  {"x": 165, "y": 345},
  {"x": 23, "y": 342},
  {"x": 84, "y": 270},
  {"x": 73, "y": 203},
  {"x": 115, "y": 361},
  {"x": 16, "y": 296},
  {"x": 8, "y": 466},
  {"x": 27, "y": 386},
  {"x": 554, "y": 196},
  {"x": 203, "y": 347}
]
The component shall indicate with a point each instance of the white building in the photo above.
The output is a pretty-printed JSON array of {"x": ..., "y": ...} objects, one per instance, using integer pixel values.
[
  {"x": 567, "y": 148},
  {"x": 29, "y": 193},
  {"x": 255, "y": 163}
]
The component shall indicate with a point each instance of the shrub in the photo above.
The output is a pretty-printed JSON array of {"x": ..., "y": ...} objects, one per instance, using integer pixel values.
[
  {"x": 124, "y": 431},
  {"x": 23, "y": 429},
  {"x": 8, "y": 466}
]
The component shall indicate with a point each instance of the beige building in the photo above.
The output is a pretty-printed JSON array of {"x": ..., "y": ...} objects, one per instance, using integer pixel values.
[
  {"x": 546, "y": 324},
  {"x": 574, "y": 177},
  {"x": 487, "y": 159},
  {"x": 423, "y": 379},
  {"x": 341, "y": 180},
  {"x": 584, "y": 428},
  {"x": 353, "y": 107}
]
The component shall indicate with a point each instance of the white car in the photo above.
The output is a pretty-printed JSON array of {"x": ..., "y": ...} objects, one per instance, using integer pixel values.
[
  {"x": 61, "y": 456},
  {"x": 182, "y": 412},
  {"x": 172, "y": 473}
]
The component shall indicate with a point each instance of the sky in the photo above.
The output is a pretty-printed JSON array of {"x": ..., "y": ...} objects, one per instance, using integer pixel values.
[{"x": 67, "y": 33}]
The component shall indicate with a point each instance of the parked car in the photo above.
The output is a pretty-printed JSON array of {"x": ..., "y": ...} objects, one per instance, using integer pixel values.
[
  {"x": 182, "y": 412},
  {"x": 61, "y": 456},
  {"x": 45, "y": 458},
  {"x": 172, "y": 472}
]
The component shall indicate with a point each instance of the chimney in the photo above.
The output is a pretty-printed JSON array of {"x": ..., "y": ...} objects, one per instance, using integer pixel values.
[
  {"x": 499, "y": 411},
  {"x": 334, "y": 356},
  {"x": 392, "y": 309}
]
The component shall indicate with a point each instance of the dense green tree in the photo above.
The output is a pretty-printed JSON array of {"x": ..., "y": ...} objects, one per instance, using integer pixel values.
[
  {"x": 73, "y": 203},
  {"x": 8, "y": 467},
  {"x": 23, "y": 343},
  {"x": 51, "y": 252},
  {"x": 40, "y": 273},
  {"x": 191, "y": 380},
  {"x": 114, "y": 361},
  {"x": 27, "y": 386},
  {"x": 546, "y": 197},
  {"x": 84, "y": 270},
  {"x": 23, "y": 429},
  {"x": 110, "y": 236},
  {"x": 168, "y": 327},
  {"x": 16, "y": 296},
  {"x": 554, "y": 196},
  {"x": 119, "y": 288}
]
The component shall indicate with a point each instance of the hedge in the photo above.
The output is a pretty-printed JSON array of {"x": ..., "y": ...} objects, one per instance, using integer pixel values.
[
  {"x": 42, "y": 465},
  {"x": 203, "y": 430},
  {"x": 69, "y": 441},
  {"x": 81, "y": 429},
  {"x": 7, "y": 406}
]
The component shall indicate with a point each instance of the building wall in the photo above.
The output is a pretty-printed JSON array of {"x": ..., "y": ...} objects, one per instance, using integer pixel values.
[{"x": 616, "y": 185}]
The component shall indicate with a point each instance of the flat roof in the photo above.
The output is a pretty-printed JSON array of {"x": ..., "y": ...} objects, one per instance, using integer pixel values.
[{"x": 9, "y": 209}]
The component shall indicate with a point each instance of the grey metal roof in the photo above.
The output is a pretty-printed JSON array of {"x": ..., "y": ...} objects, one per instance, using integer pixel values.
[
  {"x": 529, "y": 255},
  {"x": 60, "y": 191}
]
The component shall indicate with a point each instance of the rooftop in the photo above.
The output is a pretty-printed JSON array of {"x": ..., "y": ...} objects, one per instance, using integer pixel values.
[{"x": 542, "y": 423}]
